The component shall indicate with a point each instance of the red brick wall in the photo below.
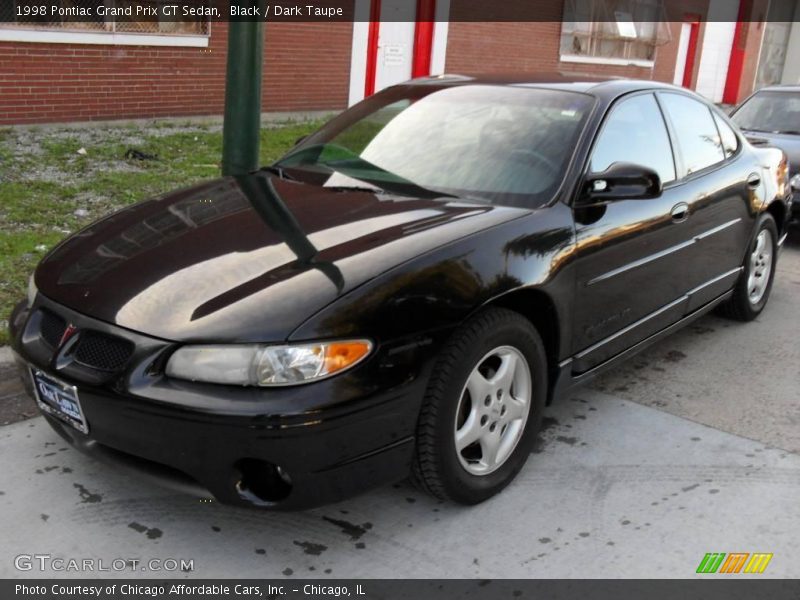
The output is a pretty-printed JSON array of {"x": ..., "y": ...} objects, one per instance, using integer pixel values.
[
  {"x": 518, "y": 47},
  {"x": 307, "y": 67},
  {"x": 535, "y": 46}
]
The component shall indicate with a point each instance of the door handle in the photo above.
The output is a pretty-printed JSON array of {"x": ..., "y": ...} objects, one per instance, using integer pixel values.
[
  {"x": 753, "y": 180},
  {"x": 680, "y": 212}
]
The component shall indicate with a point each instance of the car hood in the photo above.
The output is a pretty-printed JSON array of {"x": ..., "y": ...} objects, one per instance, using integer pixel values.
[
  {"x": 246, "y": 259},
  {"x": 789, "y": 143}
]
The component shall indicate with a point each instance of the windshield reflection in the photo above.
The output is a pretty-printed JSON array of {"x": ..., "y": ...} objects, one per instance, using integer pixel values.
[{"x": 500, "y": 144}]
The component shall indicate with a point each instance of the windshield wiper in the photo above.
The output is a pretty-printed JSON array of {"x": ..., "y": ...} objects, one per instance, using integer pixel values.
[
  {"x": 789, "y": 131},
  {"x": 355, "y": 188},
  {"x": 279, "y": 171},
  {"x": 401, "y": 185},
  {"x": 355, "y": 167}
]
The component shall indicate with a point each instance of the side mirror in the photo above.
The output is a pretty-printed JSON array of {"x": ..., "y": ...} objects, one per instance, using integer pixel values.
[{"x": 622, "y": 181}]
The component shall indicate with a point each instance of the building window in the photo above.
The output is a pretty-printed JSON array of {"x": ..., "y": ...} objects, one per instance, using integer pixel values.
[
  {"x": 82, "y": 21},
  {"x": 613, "y": 31}
]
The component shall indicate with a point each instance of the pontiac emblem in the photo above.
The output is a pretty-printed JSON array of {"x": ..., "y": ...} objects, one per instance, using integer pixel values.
[{"x": 68, "y": 333}]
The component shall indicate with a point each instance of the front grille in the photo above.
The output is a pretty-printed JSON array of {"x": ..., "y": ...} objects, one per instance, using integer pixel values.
[
  {"x": 102, "y": 352},
  {"x": 52, "y": 327},
  {"x": 92, "y": 349}
]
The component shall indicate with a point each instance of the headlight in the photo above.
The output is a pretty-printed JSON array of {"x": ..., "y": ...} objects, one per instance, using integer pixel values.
[
  {"x": 32, "y": 291},
  {"x": 795, "y": 183},
  {"x": 266, "y": 365}
]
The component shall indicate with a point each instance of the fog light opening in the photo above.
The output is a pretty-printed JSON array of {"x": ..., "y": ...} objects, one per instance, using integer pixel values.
[{"x": 262, "y": 482}]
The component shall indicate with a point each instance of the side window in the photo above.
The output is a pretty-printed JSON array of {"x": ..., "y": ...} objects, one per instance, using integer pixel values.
[
  {"x": 697, "y": 135},
  {"x": 730, "y": 143},
  {"x": 635, "y": 133}
]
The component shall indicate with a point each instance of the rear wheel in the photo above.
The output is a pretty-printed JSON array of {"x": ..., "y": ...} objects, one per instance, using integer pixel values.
[
  {"x": 482, "y": 409},
  {"x": 751, "y": 293}
]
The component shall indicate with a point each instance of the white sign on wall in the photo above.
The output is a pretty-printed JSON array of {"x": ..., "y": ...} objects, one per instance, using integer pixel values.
[{"x": 394, "y": 54}]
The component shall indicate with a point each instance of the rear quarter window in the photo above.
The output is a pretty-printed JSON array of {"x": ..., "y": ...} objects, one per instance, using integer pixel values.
[{"x": 730, "y": 143}]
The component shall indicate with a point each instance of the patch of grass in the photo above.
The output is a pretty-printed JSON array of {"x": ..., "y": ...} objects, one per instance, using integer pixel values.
[
  {"x": 21, "y": 252},
  {"x": 49, "y": 190}
]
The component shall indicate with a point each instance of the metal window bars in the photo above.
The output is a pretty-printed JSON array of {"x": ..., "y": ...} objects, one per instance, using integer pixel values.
[{"x": 622, "y": 29}]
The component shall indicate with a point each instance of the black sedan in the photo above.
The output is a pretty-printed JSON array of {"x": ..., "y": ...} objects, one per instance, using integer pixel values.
[
  {"x": 404, "y": 291},
  {"x": 772, "y": 116}
]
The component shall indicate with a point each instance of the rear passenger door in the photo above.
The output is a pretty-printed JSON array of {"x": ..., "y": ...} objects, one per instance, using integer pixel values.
[
  {"x": 631, "y": 255},
  {"x": 716, "y": 187}
]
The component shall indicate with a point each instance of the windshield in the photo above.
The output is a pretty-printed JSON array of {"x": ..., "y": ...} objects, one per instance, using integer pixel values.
[
  {"x": 771, "y": 112},
  {"x": 498, "y": 144}
]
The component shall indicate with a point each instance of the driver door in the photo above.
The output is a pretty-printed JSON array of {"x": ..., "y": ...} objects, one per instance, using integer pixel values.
[{"x": 632, "y": 254}]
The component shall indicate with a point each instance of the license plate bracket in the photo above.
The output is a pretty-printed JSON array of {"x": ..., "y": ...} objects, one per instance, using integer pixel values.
[{"x": 58, "y": 399}]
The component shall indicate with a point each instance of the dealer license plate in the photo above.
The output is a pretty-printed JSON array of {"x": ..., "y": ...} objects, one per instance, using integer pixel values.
[{"x": 59, "y": 399}]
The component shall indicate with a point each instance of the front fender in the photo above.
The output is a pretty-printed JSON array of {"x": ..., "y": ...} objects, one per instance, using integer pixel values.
[{"x": 439, "y": 290}]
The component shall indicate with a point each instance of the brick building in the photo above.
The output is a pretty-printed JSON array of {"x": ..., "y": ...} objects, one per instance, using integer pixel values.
[{"x": 79, "y": 71}]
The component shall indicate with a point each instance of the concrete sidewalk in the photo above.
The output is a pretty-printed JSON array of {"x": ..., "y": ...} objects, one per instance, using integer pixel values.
[
  {"x": 615, "y": 490},
  {"x": 743, "y": 378}
]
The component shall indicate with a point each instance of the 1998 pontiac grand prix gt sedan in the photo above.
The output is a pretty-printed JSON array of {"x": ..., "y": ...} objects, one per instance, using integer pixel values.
[{"x": 404, "y": 291}]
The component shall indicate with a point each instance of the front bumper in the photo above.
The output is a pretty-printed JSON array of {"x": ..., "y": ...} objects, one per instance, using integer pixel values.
[{"x": 284, "y": 448}]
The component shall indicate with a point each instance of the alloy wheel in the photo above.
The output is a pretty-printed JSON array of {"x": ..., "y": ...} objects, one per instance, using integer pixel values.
[
  {"x": 760, "y": 267},
  {"x": 493, "y": 410}
]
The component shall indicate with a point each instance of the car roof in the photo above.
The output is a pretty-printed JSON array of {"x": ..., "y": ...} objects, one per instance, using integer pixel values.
[{"x": 608, "y": 87}]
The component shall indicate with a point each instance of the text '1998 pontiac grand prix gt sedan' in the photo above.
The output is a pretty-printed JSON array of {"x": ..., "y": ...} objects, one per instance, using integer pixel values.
[{"x": 404, "y": 291}]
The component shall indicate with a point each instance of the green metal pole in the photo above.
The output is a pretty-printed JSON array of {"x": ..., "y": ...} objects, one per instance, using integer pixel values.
[{"x": 240, "y": 133}]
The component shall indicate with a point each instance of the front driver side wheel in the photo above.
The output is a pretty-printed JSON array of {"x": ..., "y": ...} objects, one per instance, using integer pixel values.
[{"x": 482, "y": 409}]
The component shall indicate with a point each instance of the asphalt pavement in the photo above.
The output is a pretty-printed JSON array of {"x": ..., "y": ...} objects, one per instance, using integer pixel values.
[{"x": 691, "y": 447}]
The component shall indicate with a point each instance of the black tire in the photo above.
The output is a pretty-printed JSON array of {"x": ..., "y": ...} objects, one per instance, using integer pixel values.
[
  {"x": 437, "y": 467},
  {"x": 740, "y": 306}
]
